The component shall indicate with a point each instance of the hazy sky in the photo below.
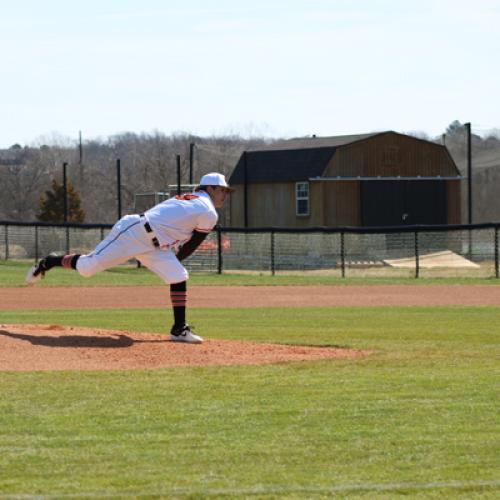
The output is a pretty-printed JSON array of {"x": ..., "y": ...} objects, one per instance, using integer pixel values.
[{"x": 277, "y": 68}]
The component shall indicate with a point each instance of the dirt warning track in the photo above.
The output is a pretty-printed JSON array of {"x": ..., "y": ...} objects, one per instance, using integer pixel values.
[{"x": 249, "y": 296}]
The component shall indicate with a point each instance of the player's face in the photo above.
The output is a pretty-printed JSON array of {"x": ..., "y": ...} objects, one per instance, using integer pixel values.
[{"x": 218, "y": 194}]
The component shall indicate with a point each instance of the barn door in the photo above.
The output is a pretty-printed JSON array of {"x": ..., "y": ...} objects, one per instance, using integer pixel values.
[
  {"x": 399, "y": 203},
  {"x": 426, "y": 202}
]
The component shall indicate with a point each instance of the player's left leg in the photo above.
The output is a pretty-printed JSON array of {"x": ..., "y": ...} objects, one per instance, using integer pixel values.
[{"x": 126, "y": 239}]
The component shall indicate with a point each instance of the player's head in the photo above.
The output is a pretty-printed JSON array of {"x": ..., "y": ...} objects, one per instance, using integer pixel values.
[{"x": 216, "y": 186}]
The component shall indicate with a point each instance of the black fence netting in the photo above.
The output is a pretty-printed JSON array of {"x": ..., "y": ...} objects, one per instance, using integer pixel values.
[{"x": 459, "y": 250}]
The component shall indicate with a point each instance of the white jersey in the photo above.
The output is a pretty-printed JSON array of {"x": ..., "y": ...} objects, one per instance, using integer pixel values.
[{"x": 174, "y": 220}]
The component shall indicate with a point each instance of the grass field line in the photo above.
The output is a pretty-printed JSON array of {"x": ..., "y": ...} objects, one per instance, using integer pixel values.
[{"x": 347, "y": 488}]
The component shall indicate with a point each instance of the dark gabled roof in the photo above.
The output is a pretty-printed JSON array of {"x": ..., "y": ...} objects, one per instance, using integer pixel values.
[
  {"x": 315, "y": 142},
  {"x": 281, "y": 165},
  {"x": 291, "y": 160}
]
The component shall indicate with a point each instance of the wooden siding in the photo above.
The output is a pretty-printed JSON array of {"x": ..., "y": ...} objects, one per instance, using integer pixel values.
[
  {"x": 342, "y": 203},
  {"x": 391, "y": 155},
  {"x": 273, "y": 204},
  {"x": 330, "y": 203}
]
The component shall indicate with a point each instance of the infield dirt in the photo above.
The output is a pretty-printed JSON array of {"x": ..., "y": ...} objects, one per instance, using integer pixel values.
[{"x": 54, "y": 347}]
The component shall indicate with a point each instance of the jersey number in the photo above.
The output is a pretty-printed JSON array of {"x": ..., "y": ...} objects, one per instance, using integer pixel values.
[{"x": 187, "y": 197}]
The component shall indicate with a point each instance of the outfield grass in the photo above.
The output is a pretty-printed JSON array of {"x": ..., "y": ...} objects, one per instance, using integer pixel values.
[
  {"x": 12, "y": 274},
  {"x": 419, "y": 417}
]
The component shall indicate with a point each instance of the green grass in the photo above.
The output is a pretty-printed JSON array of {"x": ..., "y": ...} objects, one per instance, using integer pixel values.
[
  {"x": 419, "y": 417},
  {"x": 12, "y": 274}
]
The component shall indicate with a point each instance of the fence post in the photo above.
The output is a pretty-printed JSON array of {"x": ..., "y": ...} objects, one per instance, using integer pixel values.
[
  {"x": 417, "y": 257},
  {"x": 219, "y": 250},
  {"x": 178, "y": 159},
  {"x": 67, "y": 240},
  {"x": 6, "y": 242},
  {"x": 496, "y": 252},
  {"x": 272, "y": 254},
  {"x": 36, "y": 243},
  {"x": 342, "y": 254},
  {"x": 469, "y": 256}
]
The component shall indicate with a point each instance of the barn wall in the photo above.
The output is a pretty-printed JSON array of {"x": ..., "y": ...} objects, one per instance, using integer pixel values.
[
  {"x": 391, "y": 155},
  {"x": 341, "y": 203},
  {"x": 236, "y": 201},
  {"x": 273, "y": 204}
]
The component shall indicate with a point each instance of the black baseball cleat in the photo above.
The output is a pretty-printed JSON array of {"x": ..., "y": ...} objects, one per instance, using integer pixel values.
[
  {"x": 184, "y": 334},
  {"x": 37, "y": 272}
]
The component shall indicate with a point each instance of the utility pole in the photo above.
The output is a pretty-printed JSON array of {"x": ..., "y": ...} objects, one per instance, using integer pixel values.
[
  {"x": 245, "y": 190},
  {"x": 191, "y": 151},
  {"x": 80, "y": 149},
  {"x": 178, "y": 158},
  {"x": 119, "y": 187},
  {"x": 65, "y": 190},
  {"x": 469, "y": 171}
]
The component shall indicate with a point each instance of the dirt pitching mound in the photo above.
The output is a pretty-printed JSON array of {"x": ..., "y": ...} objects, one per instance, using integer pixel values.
[{"x": 55, "y": 347}]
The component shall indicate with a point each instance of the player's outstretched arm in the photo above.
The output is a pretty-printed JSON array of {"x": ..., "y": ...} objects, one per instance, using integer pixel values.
[{"x": 191, "y": 245}]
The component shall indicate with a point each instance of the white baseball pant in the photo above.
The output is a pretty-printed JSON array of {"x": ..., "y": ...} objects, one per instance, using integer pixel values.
[{"x": 128, "y": 239}]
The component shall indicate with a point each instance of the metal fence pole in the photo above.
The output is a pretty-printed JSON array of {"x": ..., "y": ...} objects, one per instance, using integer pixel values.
[
  {"x": 219, "y": 251},
  {"x": 417, "y": 256},
  {"x": 272, "y": 254},
  {"x": 65, "y": 189},
  {"x": 178, "y": 159},
  {"x": 67, "y": 240},
  {"x": 36, "y": 243},
  {"x": 6, "y": 242},
  {"x": 119, "y": 187},
  {"x": 469, "y": 255},
  {"x": 496, "y": 252},
  {"x": 342, "y": 254}
]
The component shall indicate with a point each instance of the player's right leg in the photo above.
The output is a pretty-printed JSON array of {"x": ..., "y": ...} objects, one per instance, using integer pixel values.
[
  {"x": 165, "y": 264},
  {"x": 126, "y": 239}
]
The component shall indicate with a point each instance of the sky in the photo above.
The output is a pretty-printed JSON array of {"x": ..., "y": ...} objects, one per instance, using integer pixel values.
[{"x": 271, "y": 68}]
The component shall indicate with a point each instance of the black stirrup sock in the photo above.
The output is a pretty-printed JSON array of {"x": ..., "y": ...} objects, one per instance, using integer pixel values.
[{"x": 178, "y": 296}]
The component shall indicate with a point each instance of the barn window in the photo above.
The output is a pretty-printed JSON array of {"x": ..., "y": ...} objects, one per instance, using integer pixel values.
[{"x": 302, "y": 198}]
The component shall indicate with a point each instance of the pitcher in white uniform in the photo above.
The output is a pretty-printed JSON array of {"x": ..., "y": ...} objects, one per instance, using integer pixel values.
[{"x": 160, "y": 239}]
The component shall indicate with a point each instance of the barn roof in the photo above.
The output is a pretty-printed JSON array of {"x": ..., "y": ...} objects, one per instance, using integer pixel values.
[
  {"x": 296, "y": 159},
  {"x": 315, "y": 142},
  {"x": 291, "y": 160},
  {"x": 282, "y": 165}
]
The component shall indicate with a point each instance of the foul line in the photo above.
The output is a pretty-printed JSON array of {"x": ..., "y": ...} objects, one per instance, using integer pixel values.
[{"x": 263, "y": 490}]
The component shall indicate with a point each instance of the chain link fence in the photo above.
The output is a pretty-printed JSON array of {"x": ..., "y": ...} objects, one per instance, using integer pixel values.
[{"x": 428, "y": 251}]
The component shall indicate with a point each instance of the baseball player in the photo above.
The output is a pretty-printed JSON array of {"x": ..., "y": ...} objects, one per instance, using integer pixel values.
[{"x": 160, "y": 239}]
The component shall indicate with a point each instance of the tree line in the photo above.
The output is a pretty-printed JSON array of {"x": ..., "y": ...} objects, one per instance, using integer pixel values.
[{"x": 148, "y": 164}]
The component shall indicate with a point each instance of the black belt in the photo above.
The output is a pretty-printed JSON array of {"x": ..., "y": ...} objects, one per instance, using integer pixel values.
[{"x": 148, "y": 229}]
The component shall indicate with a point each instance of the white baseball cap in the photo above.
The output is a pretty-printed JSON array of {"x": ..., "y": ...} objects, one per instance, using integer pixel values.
[{"x": 215, "y": 179}]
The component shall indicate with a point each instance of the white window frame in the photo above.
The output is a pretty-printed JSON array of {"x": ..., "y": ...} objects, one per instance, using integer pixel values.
[{"x": 301, "y": 197}]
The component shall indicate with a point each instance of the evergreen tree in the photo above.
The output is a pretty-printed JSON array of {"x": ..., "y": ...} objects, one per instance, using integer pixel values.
[
  {"x": 52, "y": 205},
  {"x": 455, "y": 127}
]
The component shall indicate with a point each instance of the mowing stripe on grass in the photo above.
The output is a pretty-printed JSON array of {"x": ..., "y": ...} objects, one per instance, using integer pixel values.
[{"x": 347, "y": 488}]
